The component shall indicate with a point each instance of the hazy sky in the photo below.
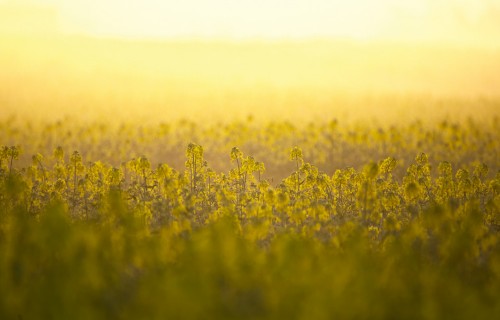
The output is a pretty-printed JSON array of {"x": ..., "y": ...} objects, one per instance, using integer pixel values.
[{"x": 448, "y": 20}]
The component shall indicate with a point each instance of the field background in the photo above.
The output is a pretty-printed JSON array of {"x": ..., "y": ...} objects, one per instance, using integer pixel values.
[{"x": 53, "y": 77}]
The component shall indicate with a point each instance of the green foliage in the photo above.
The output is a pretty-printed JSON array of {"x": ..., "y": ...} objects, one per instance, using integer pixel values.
[{"x": 97, "y": 240}]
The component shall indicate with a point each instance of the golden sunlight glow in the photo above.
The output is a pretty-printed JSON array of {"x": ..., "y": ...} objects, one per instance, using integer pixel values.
[
  {"x": 231, "y": 58},
  {"x": 461, "y": 21}
]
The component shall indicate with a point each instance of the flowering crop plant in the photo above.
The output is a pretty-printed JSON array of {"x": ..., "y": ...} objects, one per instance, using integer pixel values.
[{"x": 339, "y": 221}]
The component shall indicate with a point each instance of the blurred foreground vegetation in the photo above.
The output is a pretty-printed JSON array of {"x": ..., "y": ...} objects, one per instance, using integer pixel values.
[{"x": 136, "y": 222}]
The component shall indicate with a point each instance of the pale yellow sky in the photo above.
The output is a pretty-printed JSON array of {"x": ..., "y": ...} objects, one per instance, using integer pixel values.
[
  {"x": 456, "y": 21},
  {"x": 84, "y": 75}
]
